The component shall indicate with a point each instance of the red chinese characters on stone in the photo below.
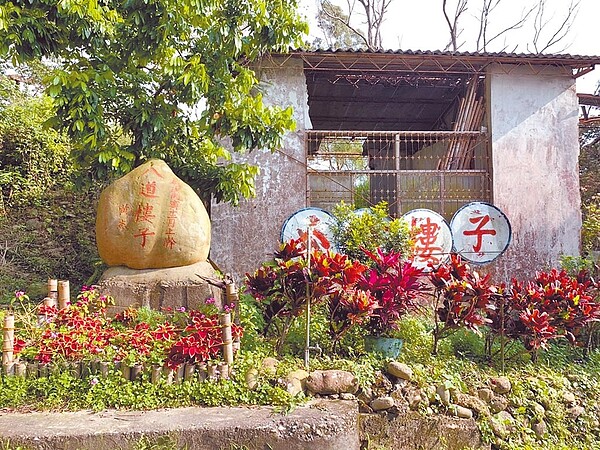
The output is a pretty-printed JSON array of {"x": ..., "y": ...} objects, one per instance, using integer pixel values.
[
  {"x": 124, "y": 213},
  {"x": 425, "y": 248},
  {"x": 174, "y": 201},
  {"x": 143, "y": 213},
  {"x": 143, "y": 234},
  {"x": 148, "y": 190},
  {"x": 479, "y": 231}
]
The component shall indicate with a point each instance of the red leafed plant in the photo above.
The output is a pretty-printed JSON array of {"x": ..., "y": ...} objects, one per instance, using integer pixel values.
[
  {"x": 462, "y": 298},
  {"x": 283, "y": 287},
  {"x": 200, "y": 341},
  {"x": 551, "y": 306},
  {"x": 397, "y": 287},
  {"x": 82, "y": 331}
]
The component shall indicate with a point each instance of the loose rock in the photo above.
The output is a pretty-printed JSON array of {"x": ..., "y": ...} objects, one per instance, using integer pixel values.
[
  {"x": 461, "y": 411},
  {"x": 252, "y": 378},
  {"x": 485, "y": 394},
  {"x": 498, "y": 404},
  {"x": 414, "y": 398},
  {"x": 293, "y": 386},
  {"x": 269, "y": 366},
  {"x": 430, "y": 392},
  {"x": 299, "y": 374},
  {"x": 539, "y": 411},
  {"x": 400, "y": 370},
  {"x": 540, "y": 429},
  {"x": 382, "y": 403},
  {"x": 328, "y": 382},
  {"x": 473, "y": 403},
  {"x": 444, "y": 394},
  {"x": 569, "y": 398},
  {"x": 382, "y": 385},
  {"x": 365, "y": 395},
  {"x": 398, "y": 395},
  {"x": 576, "y": 411},
  {"x": 502, "y": 424},
  {"x": 500, "y": 385}
]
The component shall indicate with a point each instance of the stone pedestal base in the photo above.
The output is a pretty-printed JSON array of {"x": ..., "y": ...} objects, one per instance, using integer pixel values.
[{"x": 160, "y": 288}]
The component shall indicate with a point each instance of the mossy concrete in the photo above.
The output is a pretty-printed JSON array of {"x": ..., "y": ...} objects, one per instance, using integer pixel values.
[
  {"x": 322, "y": 425},
  {"x": 413, "y": 431}
]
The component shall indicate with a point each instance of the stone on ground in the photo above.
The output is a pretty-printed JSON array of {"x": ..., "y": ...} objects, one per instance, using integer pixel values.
[{"x": 329, "y": 382}]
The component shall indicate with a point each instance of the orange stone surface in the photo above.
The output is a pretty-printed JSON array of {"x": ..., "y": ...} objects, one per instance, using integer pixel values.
[{"x": 151, "y": 219}]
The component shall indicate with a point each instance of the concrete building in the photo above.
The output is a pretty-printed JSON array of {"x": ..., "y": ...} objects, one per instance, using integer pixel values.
[{"x": 431, "y": 130}]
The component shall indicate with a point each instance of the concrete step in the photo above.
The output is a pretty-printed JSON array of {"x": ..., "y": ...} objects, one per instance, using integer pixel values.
[
  {"x": 323, "y": 425},
  {"x": 320, "y": 425}
]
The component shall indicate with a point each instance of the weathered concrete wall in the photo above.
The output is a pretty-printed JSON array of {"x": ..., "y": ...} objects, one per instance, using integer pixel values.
[
  {"x": 533, "y": 123},
  {"x": 247, "y": 235},
  {"x": 412, "y": 431}
]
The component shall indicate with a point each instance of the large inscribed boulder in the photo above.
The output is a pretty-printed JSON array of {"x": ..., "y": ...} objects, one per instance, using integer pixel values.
[{"x": 150, "y": 219}]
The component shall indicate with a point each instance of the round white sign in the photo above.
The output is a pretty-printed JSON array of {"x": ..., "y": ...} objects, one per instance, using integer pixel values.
[
  {"x": 319, "y": 220},
  {"x": 481, "y": 232},
  {"x": 433, "y": 239}
]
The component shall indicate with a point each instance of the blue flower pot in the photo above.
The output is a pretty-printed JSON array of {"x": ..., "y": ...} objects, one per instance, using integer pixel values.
[{"x": 385, "y": 346}]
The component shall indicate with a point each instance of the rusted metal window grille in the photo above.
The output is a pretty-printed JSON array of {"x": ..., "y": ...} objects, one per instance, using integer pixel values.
[{"x": 440, "y": 171}]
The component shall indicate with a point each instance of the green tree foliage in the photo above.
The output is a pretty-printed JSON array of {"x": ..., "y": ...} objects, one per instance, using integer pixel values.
[
  {"x": 159, "y": 78},
  {"x": 32, "y": 159},
  {"x": 336, "y": 33}
]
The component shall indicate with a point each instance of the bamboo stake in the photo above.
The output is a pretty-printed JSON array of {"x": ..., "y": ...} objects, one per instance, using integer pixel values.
[
  {"x": 44, "y": 370},
  {"x": 463, "y": 124},
  {"x": 136, "y": 372},
  {"x": 103, "y": 369},
  {"x": 32, "y": 370},
  {"x": 225, "y": 319},
  {"x": 224, "y": 369},
  {"x": 169, "y": 374},
  {"x": 188, "y": 374},
  {"x": 155, "y": 374},
  {"x": 202, "y": 373},
  {"x": 125, "y": 371},
  {"x": 20, "y": 369},
  {"x": 179, "y": 374},
  {"x": 475, "y": 123},
  {"x": 232, "y": 296},
  {"x": 469, "y": 118},
  {"x": 53, "y": 290},
  {"x": 212, "y": 371},
  {"x": 64, "y": 294},
  {"x": 8, "y": 343}
]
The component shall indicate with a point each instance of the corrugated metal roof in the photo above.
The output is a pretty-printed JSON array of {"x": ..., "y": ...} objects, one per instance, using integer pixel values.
[
  {"x": 408, "y": 89},
  {"x": 548, "y": 57}
]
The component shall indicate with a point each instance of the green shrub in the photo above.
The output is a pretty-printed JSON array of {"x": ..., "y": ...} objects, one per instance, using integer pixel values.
[
  {"x": 590, "y": 230},
  {"x": 370, "y": 229},
  {"x": 33, "y": 158}
]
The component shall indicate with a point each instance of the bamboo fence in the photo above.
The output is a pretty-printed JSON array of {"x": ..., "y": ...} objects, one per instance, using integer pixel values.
[{"x": 59, "y": 295}]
